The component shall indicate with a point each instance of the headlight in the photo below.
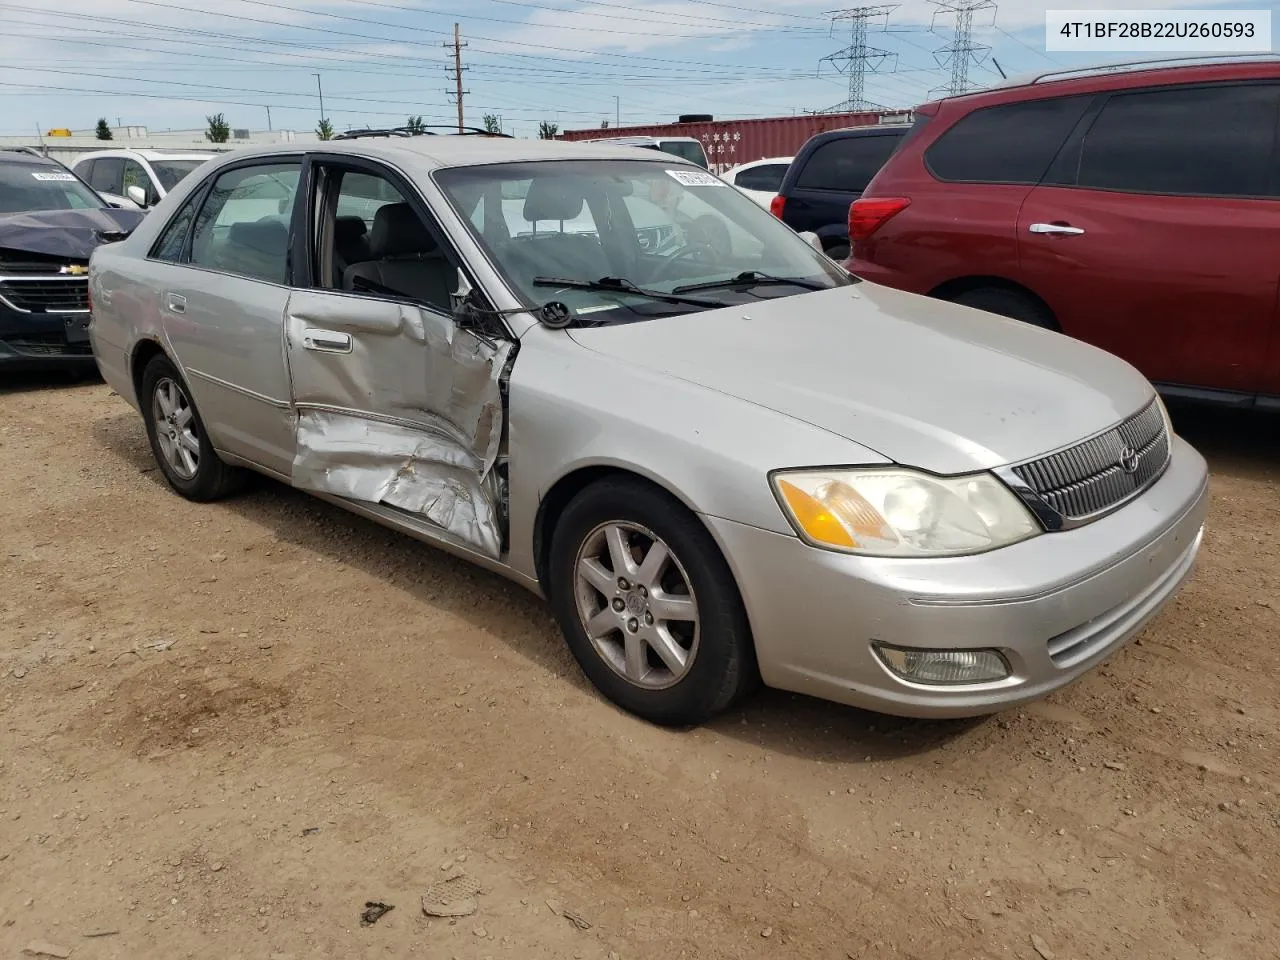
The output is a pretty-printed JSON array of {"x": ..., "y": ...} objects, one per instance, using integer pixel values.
[{"x": 895, "y": 512}]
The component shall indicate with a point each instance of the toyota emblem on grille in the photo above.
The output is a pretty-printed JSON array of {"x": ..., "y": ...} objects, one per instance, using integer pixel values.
[{"x": 1129, "y": 460}]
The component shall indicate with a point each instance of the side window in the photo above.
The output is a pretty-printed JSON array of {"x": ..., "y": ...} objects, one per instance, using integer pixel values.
[
  {"x": 85, "y": 171},
  {"x": 1211, "y": 141},
  {"x": 136, "y": 176},
  {"x": 377, "y": 244},
  {"x": 767, "y": 177},
  {"x": 172, "y": 239},
  {"x": 847, "y": 164},
  {"x": 1013, "y": 143},
  {"x": 108, "y": 172},
  {"x": 243, "y": 226}
]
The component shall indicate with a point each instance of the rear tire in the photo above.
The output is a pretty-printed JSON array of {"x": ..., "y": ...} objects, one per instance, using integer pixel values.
[
  {"x": 178, "y": 438},
  {"x": 1008, "y": 303},
  {"x": 610, "y": 615}
]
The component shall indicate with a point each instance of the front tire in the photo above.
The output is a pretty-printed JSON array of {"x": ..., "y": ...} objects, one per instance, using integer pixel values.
[
  {"x": 648, "y": 605},
  {"x": 179, "y": 441}
]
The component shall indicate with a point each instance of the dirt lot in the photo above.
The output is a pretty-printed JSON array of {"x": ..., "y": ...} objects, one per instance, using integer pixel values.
[{"x": 226, "y": 728}]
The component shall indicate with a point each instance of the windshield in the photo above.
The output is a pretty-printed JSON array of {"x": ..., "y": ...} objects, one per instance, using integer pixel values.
[
  {"x": 25, "y": 187},
  {"x": 659, "y": 227},
  {"x": 690, "y": 150},
  {"x": 171, "y": 172}
]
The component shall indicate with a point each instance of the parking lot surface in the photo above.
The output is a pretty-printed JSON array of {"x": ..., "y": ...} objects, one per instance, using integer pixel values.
[{"x": 228, "y": 727}]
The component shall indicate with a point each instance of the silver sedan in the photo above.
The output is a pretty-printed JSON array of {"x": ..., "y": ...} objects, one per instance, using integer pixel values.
[{"x": 614, "y": 379}]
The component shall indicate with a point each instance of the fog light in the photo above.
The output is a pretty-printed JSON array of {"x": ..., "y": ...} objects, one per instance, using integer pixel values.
[{"x": 944, "y": 666}]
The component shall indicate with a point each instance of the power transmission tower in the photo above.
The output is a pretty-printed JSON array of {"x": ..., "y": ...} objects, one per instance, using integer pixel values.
[
  {"x": 857, "y": 59},
  {"x": 961, "y": 51},
  {"x": 457, "y": 93}
]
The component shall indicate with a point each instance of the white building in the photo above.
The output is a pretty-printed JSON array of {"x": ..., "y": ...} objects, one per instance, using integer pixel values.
[{"x": 67, "y": 148}]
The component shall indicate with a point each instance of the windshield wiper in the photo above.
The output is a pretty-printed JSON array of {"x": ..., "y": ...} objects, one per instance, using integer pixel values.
[
  {"x": 623, "y": 285},
  {"x": 751, "y": 278}
]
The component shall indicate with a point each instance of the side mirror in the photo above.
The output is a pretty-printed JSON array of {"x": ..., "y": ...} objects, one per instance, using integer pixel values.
[
  {"x": 137, "y": 194},
  {"x": 813, "y": 240}
]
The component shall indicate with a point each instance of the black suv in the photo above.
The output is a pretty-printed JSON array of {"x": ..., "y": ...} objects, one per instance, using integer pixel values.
[
  {"x": 828, "y": 174},
  {"x": 50, "y": 221}
]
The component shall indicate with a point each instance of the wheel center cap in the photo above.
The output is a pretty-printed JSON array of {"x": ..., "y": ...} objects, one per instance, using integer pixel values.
[{"x": 635, "y": 604}]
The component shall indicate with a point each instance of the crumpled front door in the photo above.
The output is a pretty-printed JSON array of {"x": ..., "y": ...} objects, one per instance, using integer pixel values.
[{"x": 397, "y": 405}]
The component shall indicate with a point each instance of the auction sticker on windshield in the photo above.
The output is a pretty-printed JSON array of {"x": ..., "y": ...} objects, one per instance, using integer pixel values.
[
  {"x": 54, "y": 176},
  {"x": 695, "y": 178}
]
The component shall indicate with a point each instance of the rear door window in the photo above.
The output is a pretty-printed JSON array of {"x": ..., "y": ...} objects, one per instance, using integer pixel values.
[
  {"x": 767, "y": 177},
  {"x": 1206, "y": 141},
  {"x": 243, "y": 227},
  {"x": 848, "y": 164},
  {"x": 1011, "y": 143}
]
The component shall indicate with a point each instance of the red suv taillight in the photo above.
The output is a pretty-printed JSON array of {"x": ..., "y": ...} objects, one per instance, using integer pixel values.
[
  {"x": 777, "y": 205},
  {"x": 869, "y": 214}
]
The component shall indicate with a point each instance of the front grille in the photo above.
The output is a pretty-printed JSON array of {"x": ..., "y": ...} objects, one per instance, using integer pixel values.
[
  {"x": 1103, "y": 471},
  {"x": 47, "y": 295},
  {"x": 21, "y": 262},
  {"x": 48, "y": 345}
]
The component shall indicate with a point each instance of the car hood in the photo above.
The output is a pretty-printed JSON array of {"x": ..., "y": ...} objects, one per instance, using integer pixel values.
[
  {"x": 65, "y": 233},
  {"x": 924, "y": 383}
]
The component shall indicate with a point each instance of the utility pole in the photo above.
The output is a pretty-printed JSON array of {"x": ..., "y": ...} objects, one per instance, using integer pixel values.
[
  {"x": 617, "y": 112},
  {"x": 320, "y": 90},
  {"x": 268, "y": 119},
  {"x": 457, "y": 93},
  {"x": 961, "y": 51},
  {"x": 857, "y": 59}
]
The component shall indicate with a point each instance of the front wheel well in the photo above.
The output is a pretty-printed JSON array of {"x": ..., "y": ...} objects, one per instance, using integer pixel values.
[
  {"x": 959, "y": 286},
  {"x": 560, "y": 496}
]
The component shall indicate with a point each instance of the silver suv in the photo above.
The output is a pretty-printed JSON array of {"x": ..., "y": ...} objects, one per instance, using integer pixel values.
[{"x": 720, "y": 457}]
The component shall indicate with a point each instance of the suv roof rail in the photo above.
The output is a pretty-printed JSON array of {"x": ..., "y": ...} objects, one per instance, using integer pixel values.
[
  {"x": 1157, "y": 64},
  {"x": 424, "y": 131}
]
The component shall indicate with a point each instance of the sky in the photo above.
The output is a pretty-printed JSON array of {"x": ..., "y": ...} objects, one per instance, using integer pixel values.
[{"x": 166, "y": 64}]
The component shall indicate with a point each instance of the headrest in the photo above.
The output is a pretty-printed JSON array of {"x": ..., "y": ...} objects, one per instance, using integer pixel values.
[
  {"x": 553, "y": 198},
  {"x": 397, "y": 231},
  {"x": 264, "y": 236},
  {"x": 347, "y": 229}
]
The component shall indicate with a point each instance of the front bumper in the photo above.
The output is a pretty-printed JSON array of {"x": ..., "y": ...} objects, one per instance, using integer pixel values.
[
  {"x": 44, "y": 341},
  {"x": 1054, "y": 606}
]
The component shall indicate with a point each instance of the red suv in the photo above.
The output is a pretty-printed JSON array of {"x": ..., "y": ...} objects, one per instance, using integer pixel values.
[{"x": 1135, "y": 207}]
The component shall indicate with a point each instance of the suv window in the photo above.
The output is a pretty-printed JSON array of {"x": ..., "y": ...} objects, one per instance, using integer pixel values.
[
  {"x": 846, "y": 164},
  {"x": 243, "y": 227},
  {"x": 767, "y": 177},
  {"x": 1011, "y": 143},
  {"x": 1209, "y": 141},
  {"x": 108, "y": 172}
]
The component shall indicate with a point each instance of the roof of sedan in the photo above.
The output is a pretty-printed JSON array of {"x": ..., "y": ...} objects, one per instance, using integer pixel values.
[{"x": 452, "y": 150}]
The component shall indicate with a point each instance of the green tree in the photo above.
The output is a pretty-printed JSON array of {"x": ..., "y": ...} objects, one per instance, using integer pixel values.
[
  {"x": 415, "y": 125},
  {"x": 491, "y": 123},
  {"x": 219, "y": 130},
  {"x": 325, "y": 130},
  {"x": 104, "y": 130},
  {"x": 548, "y": 130}
]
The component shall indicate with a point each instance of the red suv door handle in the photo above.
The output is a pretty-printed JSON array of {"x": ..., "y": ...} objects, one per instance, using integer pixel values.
[{"x": 1059, "y": 229}]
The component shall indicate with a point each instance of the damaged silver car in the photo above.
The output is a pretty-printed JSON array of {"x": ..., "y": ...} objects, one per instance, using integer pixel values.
[{"x": 612, "y": 378}]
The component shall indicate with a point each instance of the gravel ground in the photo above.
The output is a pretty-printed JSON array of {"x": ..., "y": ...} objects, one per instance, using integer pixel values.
[{"x": 226, "y": 728}]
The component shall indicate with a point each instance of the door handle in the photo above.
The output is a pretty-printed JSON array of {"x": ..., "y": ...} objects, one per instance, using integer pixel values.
[
  {"x": 326, "y": 341},
  {"x": 175, "y": 303},
  {"x": 1060, "y": 229}
]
